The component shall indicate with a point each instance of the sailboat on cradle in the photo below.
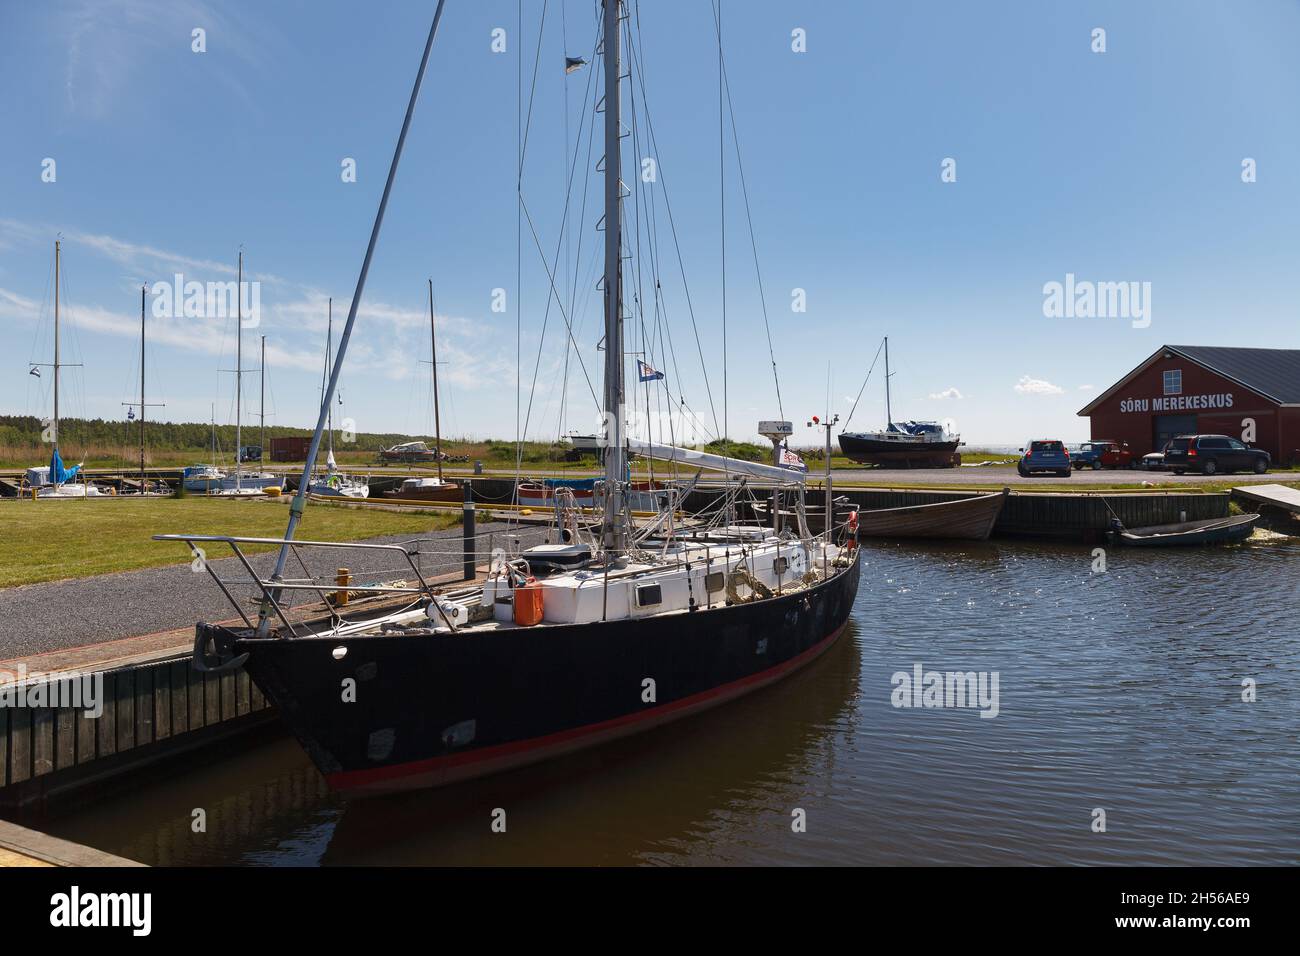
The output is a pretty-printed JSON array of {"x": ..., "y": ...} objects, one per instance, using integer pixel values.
[
  {"x": 561, "y": 646},
  {"x": 907, "y": 444},
  {"x": 55, "y": 480},
  {"x": 333, "y": 483}
]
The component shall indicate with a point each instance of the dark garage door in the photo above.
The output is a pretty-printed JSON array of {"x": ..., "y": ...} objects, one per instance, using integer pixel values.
[{"x": 1165, "y": 427}]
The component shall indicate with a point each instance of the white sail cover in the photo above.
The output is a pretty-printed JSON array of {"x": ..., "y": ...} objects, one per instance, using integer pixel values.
[{"x": 701, "y": 459}]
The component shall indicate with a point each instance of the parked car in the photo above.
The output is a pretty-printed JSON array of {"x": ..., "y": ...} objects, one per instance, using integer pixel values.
[
  {"x": 1214, "y": 454},
  {"x": 1155, "y": 461},
  {"x": 1046, "y": 454},
  {"x": 1104, "y": 453}
]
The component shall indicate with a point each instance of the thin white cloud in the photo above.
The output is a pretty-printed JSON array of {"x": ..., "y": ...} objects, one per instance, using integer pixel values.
[
  {"x": 111, "y": 42},
  {"x": 946, "y": 394},
  {"x": 1037, "y": 386}
]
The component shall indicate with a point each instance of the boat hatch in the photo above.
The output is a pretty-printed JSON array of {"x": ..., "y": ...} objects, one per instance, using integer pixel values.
[{"x": 557, "y": 557}]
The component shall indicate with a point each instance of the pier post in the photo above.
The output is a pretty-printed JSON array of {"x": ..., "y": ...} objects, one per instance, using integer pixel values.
[{"x": 469, "y": 530}]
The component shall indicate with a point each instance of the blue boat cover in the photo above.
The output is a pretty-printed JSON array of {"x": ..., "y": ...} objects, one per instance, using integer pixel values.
[
  {"x": 59, "y": 474},
  {"x": 577, "y": 484}
]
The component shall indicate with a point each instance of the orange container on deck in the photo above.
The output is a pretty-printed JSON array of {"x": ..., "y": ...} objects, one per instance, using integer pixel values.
[{"x": 528, "y": 604}]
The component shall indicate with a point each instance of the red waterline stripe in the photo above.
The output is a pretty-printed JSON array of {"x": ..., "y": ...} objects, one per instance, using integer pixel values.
[{"x": 351, "y": 779}]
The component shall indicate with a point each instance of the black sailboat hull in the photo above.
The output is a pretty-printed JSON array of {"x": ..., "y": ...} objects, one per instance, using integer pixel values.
[
  {"x": 429, "y": 711},
  {"x": 870, "y": 451}
]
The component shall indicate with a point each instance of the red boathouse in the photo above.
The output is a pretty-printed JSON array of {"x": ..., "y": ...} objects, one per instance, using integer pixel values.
[{"x": 1251, "y": 394}]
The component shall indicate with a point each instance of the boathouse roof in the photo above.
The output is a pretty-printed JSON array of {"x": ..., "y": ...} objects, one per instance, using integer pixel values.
[{"x": 1272, "y": 373}]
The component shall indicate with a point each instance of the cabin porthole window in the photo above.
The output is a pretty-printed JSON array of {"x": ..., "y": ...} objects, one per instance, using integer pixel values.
[
  {"x": 713, "y": 582},
  {"x": 649, "y": 595},
  {"x": 780, "y": 565}
]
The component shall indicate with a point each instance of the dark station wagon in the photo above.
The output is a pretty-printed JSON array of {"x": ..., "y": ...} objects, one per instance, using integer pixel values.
[
  {"x": 1045, "y": 455},
  {"x": 1214, "y": 454}
]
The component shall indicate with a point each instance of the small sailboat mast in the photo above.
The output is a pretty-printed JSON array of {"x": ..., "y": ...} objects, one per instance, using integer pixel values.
[
  {"x": 329, "y": 348},
  {"x": 142, "y": 474},
  {"x": 889, "y": 415},
  {"x": 55, "y": 435},
  {"x": 262, "y": 407},
  {"x": 433, "y": 363},
  {"x": 239, "y": 363}
]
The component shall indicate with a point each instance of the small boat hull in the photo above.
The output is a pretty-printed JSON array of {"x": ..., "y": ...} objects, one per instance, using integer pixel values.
[
  {"x": 1189, "y": 533},
  {"x": 967, "y": 519},
  {"x": 446, "y": 492},
  {"x": 641, "y": 496},
  {"x": 902, "y": 453}
]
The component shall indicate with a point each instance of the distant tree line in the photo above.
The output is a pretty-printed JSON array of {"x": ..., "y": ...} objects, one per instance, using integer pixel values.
[{"x": 24, "y": 431}]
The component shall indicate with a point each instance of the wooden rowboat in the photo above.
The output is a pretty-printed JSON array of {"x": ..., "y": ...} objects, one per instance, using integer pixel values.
[
  {"x": 1208, "y": 531},
  {"x": 969, "y": 519}
]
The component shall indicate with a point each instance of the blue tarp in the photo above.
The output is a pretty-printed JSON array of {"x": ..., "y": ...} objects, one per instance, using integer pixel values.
[
  {"x": 577, "y": 484},
  {"x": 59, "y": 474}
]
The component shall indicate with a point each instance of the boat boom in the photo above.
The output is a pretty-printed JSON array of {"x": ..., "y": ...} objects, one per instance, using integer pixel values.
[{"x": 701, "y": 459}]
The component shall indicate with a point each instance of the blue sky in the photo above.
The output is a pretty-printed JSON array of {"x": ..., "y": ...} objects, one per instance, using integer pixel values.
[{"x": 1115, "y": 167}]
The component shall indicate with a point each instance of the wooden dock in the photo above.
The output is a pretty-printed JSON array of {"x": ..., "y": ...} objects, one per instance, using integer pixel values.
[
  {"x": 20, "y": 846},
  {"x": 1272, "y": 496}
]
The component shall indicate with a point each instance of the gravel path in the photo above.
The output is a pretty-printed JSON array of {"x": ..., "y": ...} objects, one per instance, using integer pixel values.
[{"x": 65, "y": 614}]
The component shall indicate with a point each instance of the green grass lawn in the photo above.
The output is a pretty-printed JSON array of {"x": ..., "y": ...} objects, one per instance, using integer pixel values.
[{"x": 53, "y": 540}]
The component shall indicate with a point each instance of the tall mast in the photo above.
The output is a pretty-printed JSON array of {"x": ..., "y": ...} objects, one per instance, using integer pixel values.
[
  {"x": 615, "y": 449},
  {"x": 889, "y": 415},
  {"x": 433, "y": 363},
  {"x": 262, "y": 408},
  {"x": 329, "y": 349},
  {"x": 239, "y": 361},
  {"x": 56, "y": 344},
  {"x": 142, "y": 475}
]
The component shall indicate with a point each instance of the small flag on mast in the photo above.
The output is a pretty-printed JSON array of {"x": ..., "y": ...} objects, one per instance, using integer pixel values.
[
  {"x": 573, "y": 63},
  {"x": 130, "y": 414},
  {"x": 646, "y": 373}
]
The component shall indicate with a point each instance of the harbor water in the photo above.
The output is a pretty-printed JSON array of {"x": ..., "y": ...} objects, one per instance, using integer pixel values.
[{"x": 1123, "y": 698}]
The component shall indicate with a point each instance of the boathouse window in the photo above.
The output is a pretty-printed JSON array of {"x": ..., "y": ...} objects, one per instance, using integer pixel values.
[
  {"x": 713, "y": 582},
  {"x": 648, "y": 595},
  {"x": 1174, "y": 382}
]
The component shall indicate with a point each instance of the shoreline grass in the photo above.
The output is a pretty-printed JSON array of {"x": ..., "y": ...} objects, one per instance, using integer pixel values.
[{"x": 56, "y": 540}]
